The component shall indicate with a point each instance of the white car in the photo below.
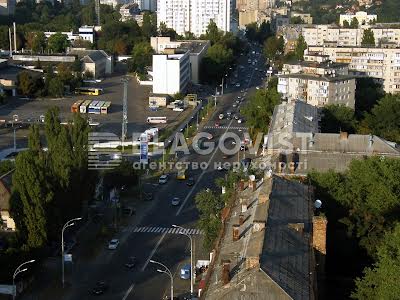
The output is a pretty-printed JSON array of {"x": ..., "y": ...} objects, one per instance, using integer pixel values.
[
  {"x": 240, "y": 121},
  {"x": 113, "y": 244},
  {"x": 237, "y": 84},
  {"x": 175, "y": 201},
  {"x": 163, "y": 179}
]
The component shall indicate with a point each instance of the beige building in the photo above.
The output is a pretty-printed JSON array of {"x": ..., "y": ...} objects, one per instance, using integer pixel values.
[
  {"x": 379, "y": 63},
  {"x": 307, "y": 18},
  {"x": 129, "y": 11},
  {"x": 318, "y": 90},
  {"x": 97, "y": 62},
  {"x": 362, "y": 17}
]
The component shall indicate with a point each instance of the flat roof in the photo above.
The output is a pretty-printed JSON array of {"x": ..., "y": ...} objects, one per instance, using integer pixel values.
[
  {"x": 318, "y": 77},
  {"x": 194, "y": 46}
]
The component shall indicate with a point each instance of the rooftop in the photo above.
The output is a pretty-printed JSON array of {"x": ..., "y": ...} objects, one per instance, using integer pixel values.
[
  {"x": 6, "y": 182},
  {"x": 313, "y": 64},
  {"x": 194, "y": 46},
  {"x": 271, "y": 262},
  {"x": 318, "y": 77}
]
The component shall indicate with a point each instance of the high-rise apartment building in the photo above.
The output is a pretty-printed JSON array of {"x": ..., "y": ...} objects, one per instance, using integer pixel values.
[
  {"x": 7, "y": 7},
  {"x": 193, "y": 15}
]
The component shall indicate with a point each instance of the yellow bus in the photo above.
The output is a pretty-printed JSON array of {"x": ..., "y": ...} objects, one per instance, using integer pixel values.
[{"x": 88, "y": 91}]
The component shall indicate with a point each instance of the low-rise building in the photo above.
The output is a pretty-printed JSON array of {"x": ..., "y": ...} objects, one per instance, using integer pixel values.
[
  {"x": 197, "y": 49},
  {"x": 97, "y": 62},
  {"x": 85, "y": 32},
  {"x": 271, "y": 244},
  {"x": 6, "y": 221},
  {"x": 129, "y": 11},
  {"x": 295, "y": 144},
  {"x": 306, "y": 18},
  {"x": 362, "y": 17},
  {"x": 171, "y": 71},
  {"x": 318, "y": 90},
  {"x": 379, "y": 63},
  {"x": 150, "y": 5},
  {"x": 113, "y": 3}
]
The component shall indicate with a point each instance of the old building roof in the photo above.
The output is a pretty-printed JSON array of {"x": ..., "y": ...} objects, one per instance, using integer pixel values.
[{"x": 5, "y": 190}]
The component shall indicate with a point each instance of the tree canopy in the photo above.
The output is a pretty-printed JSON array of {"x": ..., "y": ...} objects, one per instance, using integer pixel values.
[
  {"x": 301, "y": 45},
  {"x": 337, "y": 118},
  {"x": 368, "y": 38},
  {"x": 58, "y": 42}
]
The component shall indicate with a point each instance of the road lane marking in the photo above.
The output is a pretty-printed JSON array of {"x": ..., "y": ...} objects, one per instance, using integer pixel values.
[
  {"x": 153, "y": 251},
  {"x": 128, "y": 291},
  {"x": 165, "y": 230}
]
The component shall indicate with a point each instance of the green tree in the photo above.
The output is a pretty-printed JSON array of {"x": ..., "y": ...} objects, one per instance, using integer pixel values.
[
  {"x": 34, "y": 143},
  {"x": 346, "y": 24},
  {"x": 354, "y": 23},
  {"x": 213, "y": 33},
  {"x": 251, "y": 31},
  {"x": 5, "y": 166},
  {"x": 149, "y": 27},
  {"x": 259, "y": 109},
  {"x": 301, "y": 45},
  {"x": 209, "y": 205},
  {"x": 273, "y": 47},
  {"x": 296, "y": 20},
  {"x": 56, "y": 87},
  {"x": 337, "y": 118},
  {"x": 142, "y": 55},
  {"x": 382, "y": 280},
  {"x": 165, "y": 31},
  {"x": 38, "y": 42},
  {"x": 27, "y": 84},
  {"x": 384, "y": 119},
  {"x": 58, "y": 42},
  {"x": 368, "y": 92},
  {"x": 368, "y": 38},
  {"x": 216, "y": 63}
]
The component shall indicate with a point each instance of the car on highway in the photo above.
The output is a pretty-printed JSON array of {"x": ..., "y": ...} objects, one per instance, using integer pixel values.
[
  {"x": 236, "y": 117},
  {"x": 238, "y": 101},
  {"x": 240, "y": 121},
  {"x": 131, "y": 262},
  {"x": 185, "y": 272},
  {"x": 217, "y": 124},
  {"x": 234, "y": 105},
  {"x": 113, "y": 244},
  {"x": 190, "y": 181},
  {"x": 237, "y": 84},
  {"x": 100, "y": 288},
  {"x": 221, "y": 116},
  {"x": 175, "y": 201},
  {"x": 163, "y": 179}
]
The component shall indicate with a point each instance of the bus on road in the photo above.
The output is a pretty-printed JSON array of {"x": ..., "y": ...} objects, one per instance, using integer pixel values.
[
  {"x": 97, "y": 108},
  {"x": 105, "y": 108},
  {"x": 156, "y": 120},
  {"x": 88, "y": 91},
  {"x": 75, "y": 106},
  {"x": 84, "y": 107}
]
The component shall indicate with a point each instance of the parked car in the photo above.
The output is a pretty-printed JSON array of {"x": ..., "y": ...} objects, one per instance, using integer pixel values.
[
  {"x": 163, "y": 179},
  {"x": 113, "y": 244},
  {"x": 185, "y": 272},
  {"x": 175, "y": 201},
  {"x": 131, "y": 262},
  {"x": 100, "y": 288}
]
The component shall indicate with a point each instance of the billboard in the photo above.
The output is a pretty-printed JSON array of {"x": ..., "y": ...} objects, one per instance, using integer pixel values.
[{"x": 144, "y": 148}]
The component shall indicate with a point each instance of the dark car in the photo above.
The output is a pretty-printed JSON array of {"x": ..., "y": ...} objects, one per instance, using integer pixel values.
[
  {"x": 190, "y": 181},
  {"x": 131, "y": 262},
  {"x": 100, "y": 288}
]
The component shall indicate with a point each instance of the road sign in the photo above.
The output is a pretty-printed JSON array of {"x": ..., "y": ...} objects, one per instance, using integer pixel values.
[
  {"x": 68, "y": 257},
  {"x": 8, "y": 289},
  {"x": 144, "y": 149}
]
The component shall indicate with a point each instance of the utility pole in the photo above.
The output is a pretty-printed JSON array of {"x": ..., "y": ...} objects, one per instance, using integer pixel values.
[
  {"x": 97, "y": 8},
  {"x": 124, "y": 112}
]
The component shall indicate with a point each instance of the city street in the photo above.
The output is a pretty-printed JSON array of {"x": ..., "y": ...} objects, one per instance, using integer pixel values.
[{"x": 154, "y": 238}]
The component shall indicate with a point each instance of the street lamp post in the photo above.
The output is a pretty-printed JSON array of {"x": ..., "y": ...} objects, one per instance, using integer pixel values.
[
  {"x": 19, "y": 270},
  {"x": 191, "y": 256},
  {"x": 66, "y": 225},
  {"x": 165, "y": 271}
]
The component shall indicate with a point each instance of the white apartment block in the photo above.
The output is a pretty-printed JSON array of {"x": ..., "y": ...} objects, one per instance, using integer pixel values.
[
  {"x": 171, "y": 73},
  {"x": 193, "y": 15},
  {"x": 318, "y": 90},
  {"x": 362, "y": 17},
  {"x": 197, "y": 50},
  {"x": 378, "y": 63}
]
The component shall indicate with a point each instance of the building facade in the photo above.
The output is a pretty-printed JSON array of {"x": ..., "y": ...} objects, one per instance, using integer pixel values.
[
  {"x": 379, "y": 63},
  {"x": 86, "y": 33},
  {"x": 6, "y": 220},
  {"x": 150, "y": 5},
  {"x": 193, "y": 15},
  {"x": 129, "y": 11},
  {"x": 362, "y": 17},
  {"x": 171, "y": 72},
  {"x": 318, "y": 90},
  {"x": 7, "y": 7}
]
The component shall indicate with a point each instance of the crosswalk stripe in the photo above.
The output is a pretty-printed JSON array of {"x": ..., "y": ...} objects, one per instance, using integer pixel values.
[{"x": 145, "y": 229}]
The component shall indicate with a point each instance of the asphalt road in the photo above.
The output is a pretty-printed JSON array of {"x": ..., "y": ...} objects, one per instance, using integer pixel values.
[{"x": 144, "y": 282}]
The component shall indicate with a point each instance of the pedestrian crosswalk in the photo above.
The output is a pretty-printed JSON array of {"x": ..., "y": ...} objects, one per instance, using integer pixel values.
[
  {"x": 226, "y": 127},
  {"x": 170, "y": 230}
]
